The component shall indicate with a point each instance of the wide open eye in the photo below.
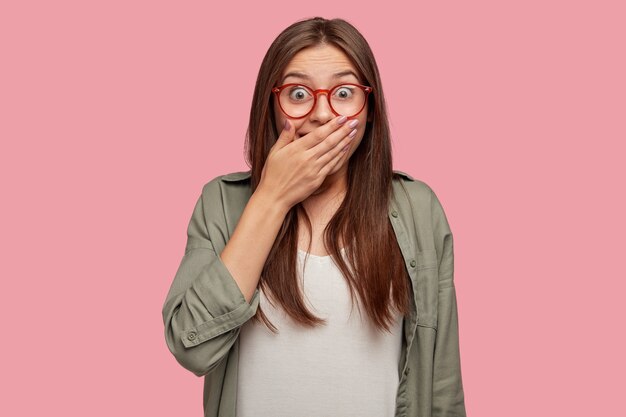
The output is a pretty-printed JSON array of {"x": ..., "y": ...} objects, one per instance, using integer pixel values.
[
  {"x": 298, "y": 94},
  {"x": 344, "y": 92}
]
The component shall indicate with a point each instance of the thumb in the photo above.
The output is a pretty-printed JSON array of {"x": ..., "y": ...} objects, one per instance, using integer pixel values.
[{"x": 286, "y": 136}]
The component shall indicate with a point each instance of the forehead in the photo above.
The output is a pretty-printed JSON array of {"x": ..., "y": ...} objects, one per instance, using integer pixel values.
[{"x": 320, "y": 64}]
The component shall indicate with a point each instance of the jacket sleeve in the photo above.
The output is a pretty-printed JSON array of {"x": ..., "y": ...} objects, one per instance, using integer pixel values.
[
  {"x": 204, "y": 307},
  {"x": 448, "y": 395}
]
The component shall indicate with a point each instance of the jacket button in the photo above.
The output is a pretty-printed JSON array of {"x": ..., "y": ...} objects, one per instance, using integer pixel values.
[
  {"x": 413, "y": 263},
  {"x": 408, "y": 370},
  {"x": 191, "y": 335},
  {"x": 394, "y": 213}
]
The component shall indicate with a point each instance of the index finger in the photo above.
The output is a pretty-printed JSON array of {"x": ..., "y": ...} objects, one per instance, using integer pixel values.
[{"x": 319, "y": 134}]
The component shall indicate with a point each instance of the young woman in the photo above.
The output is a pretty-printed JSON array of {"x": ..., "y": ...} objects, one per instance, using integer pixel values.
[{"x": 320, "y": 282}]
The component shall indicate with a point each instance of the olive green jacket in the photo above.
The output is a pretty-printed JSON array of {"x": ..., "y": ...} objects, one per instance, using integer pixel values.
[{"x": 205, "y": 308}]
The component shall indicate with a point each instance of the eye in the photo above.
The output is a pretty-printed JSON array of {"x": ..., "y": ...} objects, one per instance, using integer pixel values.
[
  {"x": 299, "y": 93},
  {"x": 344, "y": 92}
]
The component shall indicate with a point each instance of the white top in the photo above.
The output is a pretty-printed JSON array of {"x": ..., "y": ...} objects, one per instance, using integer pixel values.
[{"x": 344, "y": 368}]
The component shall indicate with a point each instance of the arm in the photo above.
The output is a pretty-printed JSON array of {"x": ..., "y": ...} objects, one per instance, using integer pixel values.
[
  {"x": 205, "y": 306},
  {"x": 448, "y": 395}
]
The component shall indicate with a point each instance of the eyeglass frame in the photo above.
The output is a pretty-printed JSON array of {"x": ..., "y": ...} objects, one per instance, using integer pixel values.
[{"x": 276, "y": 90}]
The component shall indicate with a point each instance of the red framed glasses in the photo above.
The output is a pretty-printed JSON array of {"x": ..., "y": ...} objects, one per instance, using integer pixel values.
[{"x": 299, "y": 100}]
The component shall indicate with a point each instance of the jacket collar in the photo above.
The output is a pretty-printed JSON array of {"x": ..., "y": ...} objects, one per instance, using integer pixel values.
[
  {"x": 244, "y": 175},
  {"x": 404, "y": 174},
  {"x": 236, "y": 176}
]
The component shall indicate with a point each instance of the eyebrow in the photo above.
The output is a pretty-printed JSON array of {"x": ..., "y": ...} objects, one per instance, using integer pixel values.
[{"x": 304, "y": 76}]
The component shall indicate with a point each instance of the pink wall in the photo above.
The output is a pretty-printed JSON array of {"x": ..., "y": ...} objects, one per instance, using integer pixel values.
[{"x": 114, "y": 114}]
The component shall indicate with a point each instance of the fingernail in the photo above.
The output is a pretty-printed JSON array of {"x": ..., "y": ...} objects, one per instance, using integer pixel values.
[
  {"x": 353, "y": 123},
  {"x": 287, "y": 125},
  {"x": 352, "y": 133},
  {"x": 342, "y": 120}
]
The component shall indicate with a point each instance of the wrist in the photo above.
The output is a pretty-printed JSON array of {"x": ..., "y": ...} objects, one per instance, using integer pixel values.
[{"x": 270, "y": 203}]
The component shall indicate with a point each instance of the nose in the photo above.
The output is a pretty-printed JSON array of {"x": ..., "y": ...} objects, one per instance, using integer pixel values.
[{"x": 322, "y": 112}]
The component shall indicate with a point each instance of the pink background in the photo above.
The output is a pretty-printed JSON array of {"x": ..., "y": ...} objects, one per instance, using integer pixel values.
[{"x": 113, "y": 114}]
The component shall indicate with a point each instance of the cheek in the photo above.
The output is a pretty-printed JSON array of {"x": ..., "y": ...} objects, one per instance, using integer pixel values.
[
  {"x": 279, "y": 119},
  {"x": 280, "y": 123},
  {"x": 360, "y": 130},
  {"x": 358, "y": 139},
  {"x": 356, "y": 142}
]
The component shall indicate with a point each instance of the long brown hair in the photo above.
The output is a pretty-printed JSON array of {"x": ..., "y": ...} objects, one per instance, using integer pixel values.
[{"x": 379, "y": 276}]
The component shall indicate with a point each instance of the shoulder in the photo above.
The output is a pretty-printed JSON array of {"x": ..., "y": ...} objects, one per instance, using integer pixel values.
[
  {"x": 419, "y": 191},
  {"x": 231, "y": 190},
  {"x": 237, "y": 178},
  {"x": 419, "y": 197}
]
